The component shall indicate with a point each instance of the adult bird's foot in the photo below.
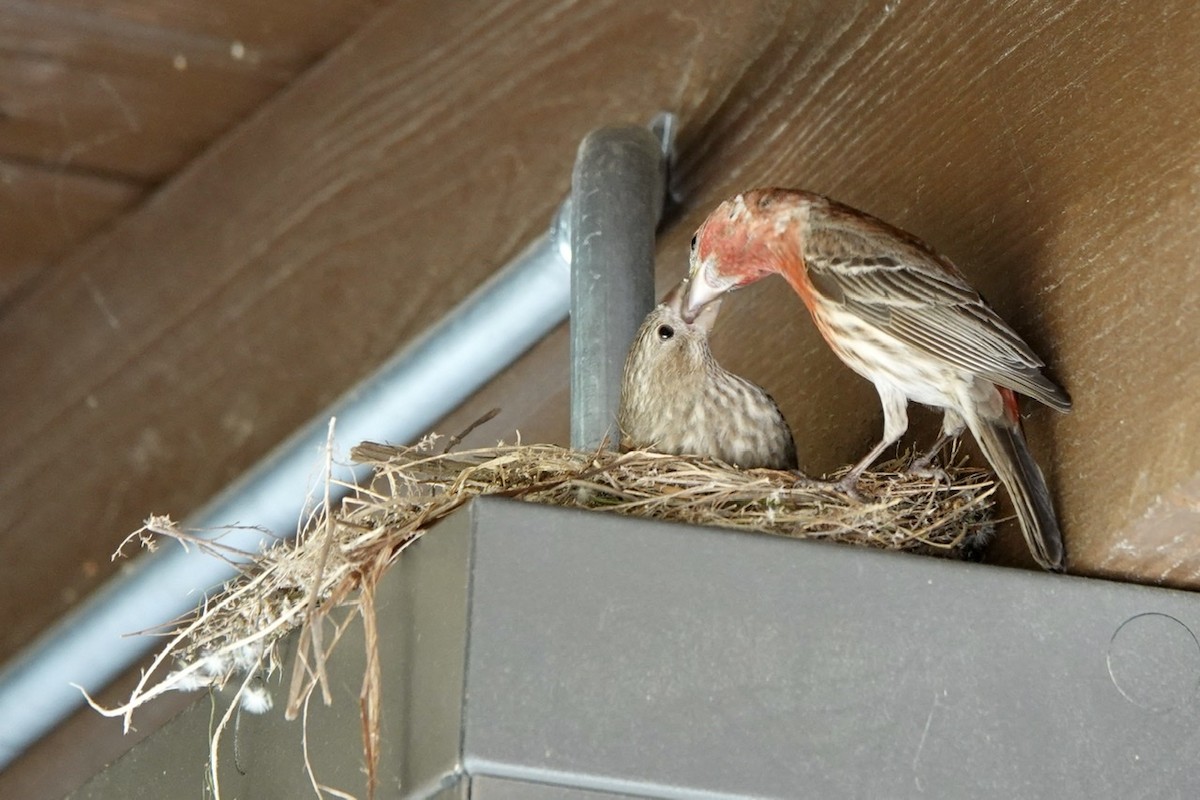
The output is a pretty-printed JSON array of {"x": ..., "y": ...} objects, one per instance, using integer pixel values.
[
  {"x": 848, "y": 486},
  {"x": 802, "y": 481},
  {"x": 924, "y": 468},
  {"x": 842, "y": 485}
]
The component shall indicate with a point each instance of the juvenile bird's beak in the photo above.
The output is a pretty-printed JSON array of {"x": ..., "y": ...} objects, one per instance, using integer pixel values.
[
  {"x": 674, "y": 298},
  {"x": 699, "y": 294}
]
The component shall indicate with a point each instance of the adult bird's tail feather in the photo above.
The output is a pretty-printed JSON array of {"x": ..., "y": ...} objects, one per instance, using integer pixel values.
[{"x": 1004, "y": 447}]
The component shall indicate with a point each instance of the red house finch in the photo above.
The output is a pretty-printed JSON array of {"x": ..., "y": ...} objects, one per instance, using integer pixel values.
[
  {"x": 901, "y": 316},
  {"x": 675, "y": 398}
]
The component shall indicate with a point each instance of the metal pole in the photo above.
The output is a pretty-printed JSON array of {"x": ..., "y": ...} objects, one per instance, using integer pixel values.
[{"x": 617, "y": 194}]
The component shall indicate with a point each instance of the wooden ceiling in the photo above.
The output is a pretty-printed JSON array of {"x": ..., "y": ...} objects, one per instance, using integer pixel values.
[{"x": 101, "y": 101}]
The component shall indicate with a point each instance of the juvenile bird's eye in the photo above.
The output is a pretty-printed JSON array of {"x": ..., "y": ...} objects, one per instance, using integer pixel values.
[
  {"x": 665, "y": 332},
  {"x": 694, "y": 238}
]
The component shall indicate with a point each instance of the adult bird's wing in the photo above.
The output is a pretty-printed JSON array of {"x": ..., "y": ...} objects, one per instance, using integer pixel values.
[{"x": 894, "y": 281}]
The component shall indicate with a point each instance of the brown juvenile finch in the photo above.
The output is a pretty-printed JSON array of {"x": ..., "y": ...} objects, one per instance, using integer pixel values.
[
  {"x": 675, "y": 397},
  {"x": 901, "y": 316}
]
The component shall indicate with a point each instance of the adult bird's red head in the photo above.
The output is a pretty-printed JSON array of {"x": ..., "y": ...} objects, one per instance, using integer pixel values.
[{"x": 742, "y": 241}]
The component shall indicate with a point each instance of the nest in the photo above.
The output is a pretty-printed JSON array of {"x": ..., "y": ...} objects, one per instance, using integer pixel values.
[
  {"x": 324, "y": 579},
  {"x": 895, "y": 510}
]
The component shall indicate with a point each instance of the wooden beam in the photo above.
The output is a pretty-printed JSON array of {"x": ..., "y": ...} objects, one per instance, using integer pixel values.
[
  {"x": 288, "y": 35},
  {"x": 83, "y": 91},
  {"x": 45, "y": 212},
  {"x": 137, "y": 88}
]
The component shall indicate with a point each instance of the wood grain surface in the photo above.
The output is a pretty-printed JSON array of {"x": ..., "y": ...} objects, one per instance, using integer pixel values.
[
  {"x": 45, "y": 212},
  {"x": 1052, "y": 149},
  {"x": 105, "y": 98}
]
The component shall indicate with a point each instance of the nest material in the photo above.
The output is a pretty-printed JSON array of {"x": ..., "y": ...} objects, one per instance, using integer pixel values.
[
  {"x": 895, "y": 510},
  {"x": 335, "y": 562}
]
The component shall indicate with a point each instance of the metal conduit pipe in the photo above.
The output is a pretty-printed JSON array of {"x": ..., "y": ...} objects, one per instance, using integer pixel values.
[
  {"x": 480, "y": 337},
  {"x": 618, "y": 189}
]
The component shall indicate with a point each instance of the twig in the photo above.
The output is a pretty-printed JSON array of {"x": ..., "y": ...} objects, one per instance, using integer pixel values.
[
  {"x": 369, "y": 695},
  {"x": 312, "y": 624},
  {"x": 457, "y": 438}
]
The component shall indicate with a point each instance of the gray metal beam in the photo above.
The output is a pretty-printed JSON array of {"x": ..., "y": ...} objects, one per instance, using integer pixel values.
[{"x": 532, "y": 651}]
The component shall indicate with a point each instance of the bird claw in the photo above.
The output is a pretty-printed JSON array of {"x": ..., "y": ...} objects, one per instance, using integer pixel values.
[
  {"x": 802, "y": 481},
  {"x": 922, "y": 468},
  {"x": 848, "y": 486}
]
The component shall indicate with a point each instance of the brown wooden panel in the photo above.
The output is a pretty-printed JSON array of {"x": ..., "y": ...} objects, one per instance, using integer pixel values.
[
  {"x": 114, "y": 99},
  {"x": 43, "y": 213},
  {"x": 1049, "y": 149},
  {"x": 139, "y": 88},
  {"x": 287, "y": 33}
]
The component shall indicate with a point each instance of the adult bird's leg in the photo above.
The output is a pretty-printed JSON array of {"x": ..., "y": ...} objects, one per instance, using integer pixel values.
[
  {"x": 952, "y": 427},
  {"x": 895, "y": 423}
]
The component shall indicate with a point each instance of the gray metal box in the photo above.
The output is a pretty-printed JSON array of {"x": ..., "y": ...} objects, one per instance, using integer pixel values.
[{"x": 536, "y": 652}]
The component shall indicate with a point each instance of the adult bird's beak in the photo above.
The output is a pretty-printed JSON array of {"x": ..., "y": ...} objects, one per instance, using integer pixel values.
[
  {"x": 699, "y": 294},
  {"x": 705, "y": 317}
]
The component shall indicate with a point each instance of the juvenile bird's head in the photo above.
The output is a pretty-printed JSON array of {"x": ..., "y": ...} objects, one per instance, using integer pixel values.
[
  {"x": 748, "y": 237},
  {"x": 670, "y": 351}
]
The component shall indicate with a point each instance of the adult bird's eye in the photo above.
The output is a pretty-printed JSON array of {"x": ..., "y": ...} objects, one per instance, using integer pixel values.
[{"x": 665, "y": 332}]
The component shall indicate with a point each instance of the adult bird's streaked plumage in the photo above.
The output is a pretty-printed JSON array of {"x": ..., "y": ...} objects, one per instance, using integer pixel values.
[{"x": 900, "y": 315}]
